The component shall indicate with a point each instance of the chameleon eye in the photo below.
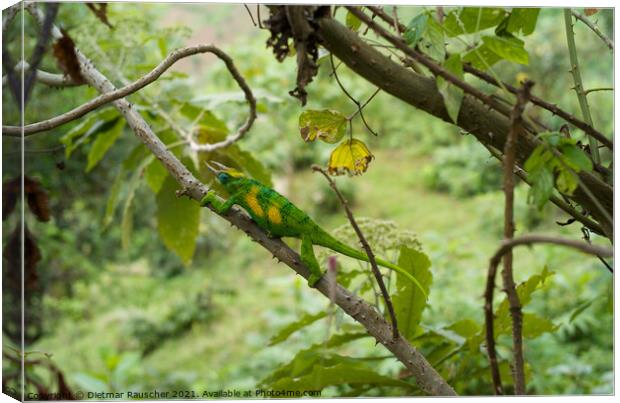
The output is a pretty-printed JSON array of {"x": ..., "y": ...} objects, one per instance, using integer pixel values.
[{"x": 223, "y": 177}]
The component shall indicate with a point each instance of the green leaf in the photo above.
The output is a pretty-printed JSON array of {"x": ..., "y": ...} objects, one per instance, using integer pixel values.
[
  {"x": 580, "y": 308},
  {"x": 305, "y": 359},
  {"x": 416, "y": 29},
  {"x": 90, "y": 383},
  {"x": 575, "y": 157},
  {"x": 473, "y": 19},
  {"x": 525, "y": 290},
  {"x": 409, "y": 302},
  {"x": 523, "y": 20},
  {"x": 465, "y": 328},
  {"x": 113, "y": 200},
  {"x": 534, "y": 325},
  {"x": 291, "y": 328},
  {"x": 137, "y": 155},
  {"x": 352, "y": 22},
  {"x": 177, "y": 220},
  {"x": 432, "y": 42},
  {"x": 507, "y": 48},
  {"x": 340, "y": 374},
  {"x": 542, "y": 187},
  {"x": 155, "y": 174},
  {"x": 566, "y": 181},
  {"x": 327, "y": 125},
  {"x": 481, "y": 57},
  {"x": 203, "y": 118},
  {"x": 105, "y": 139},
  {"x": 452, "y": 95},
  {"x": 87, "y": 128},
  {"x": 163, "y": 47},
  {"x": 127, "y": 219}
]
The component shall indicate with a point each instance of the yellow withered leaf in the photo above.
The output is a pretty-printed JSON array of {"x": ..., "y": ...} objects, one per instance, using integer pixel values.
[{"x": 351, "y": 157}]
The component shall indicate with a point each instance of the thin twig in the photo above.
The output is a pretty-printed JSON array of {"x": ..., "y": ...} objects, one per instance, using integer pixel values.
[
  {"x": 509, "y": 229},
  {"x": 250, "y": 14},
  {"x": 434, "y": 67},
  {"x": 51, "y": 79},
  {"x": 594, "y": 250},
  {"x": 367, "y": 249},
  {"x": 355, "y": 101},
  {"x": 554, "y": 109},
  {"x": 595, "y": 28},
  {"x": 396, "y": 23},
  {"x": 575, "y": 71},
  {"x": 51, "y": 10},
  {"x": 153, "y": 75},
  {"x": 598, "y": 89},
  {"x": 260, "y": 24}
]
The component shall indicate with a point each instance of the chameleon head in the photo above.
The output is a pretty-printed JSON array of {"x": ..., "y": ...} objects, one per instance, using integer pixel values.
[{"x": 229, "y": 177}]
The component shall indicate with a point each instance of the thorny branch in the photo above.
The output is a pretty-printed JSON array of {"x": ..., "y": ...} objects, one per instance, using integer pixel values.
[
  {"x": 367, "y": 249},
  {"x": 576, "y": 73},
  {"x": 509, "y": 229},
  {"x": 426, "y": 376},
  {"x": 594, "y": 28}
]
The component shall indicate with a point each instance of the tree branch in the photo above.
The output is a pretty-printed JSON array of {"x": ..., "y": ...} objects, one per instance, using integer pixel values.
[
  {"x": 594, "y": 28},
  {"x": 15, "y": 131},
  {"x": 584, "y": 247},
  {"x": 434, "y": 67},
  {"x": 575, "y": 71},
  {"x": 509, "y": 229},
  {"x": 554, "y": 109},
  {"x": 367, "y": 249},
  {"x": 588, "y": 129},
  {"x": 425, "y": 375},
  {"x": 489, "y": 127},
  {"x": 51, "y": 79}
]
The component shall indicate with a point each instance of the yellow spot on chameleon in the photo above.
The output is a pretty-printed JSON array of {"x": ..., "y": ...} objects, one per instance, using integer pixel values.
[
  {"x": 252, "y": 201},
  {"x": 274, "y": 215}
]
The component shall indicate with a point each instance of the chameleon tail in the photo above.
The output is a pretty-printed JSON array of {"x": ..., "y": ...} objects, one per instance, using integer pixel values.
[{"x": 328, "y": 241}]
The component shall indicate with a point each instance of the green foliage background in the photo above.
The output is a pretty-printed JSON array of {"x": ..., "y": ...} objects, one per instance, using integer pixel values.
[{"x": 144, "y": 290}]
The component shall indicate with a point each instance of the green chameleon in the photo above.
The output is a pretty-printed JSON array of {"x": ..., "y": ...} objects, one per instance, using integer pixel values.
[{"x": 280, "y": 218}]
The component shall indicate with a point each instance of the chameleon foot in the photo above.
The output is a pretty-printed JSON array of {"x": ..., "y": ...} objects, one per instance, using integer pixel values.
[
  {"x": 313, "y": 279},
  {"x": 208, "y": 198}
]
